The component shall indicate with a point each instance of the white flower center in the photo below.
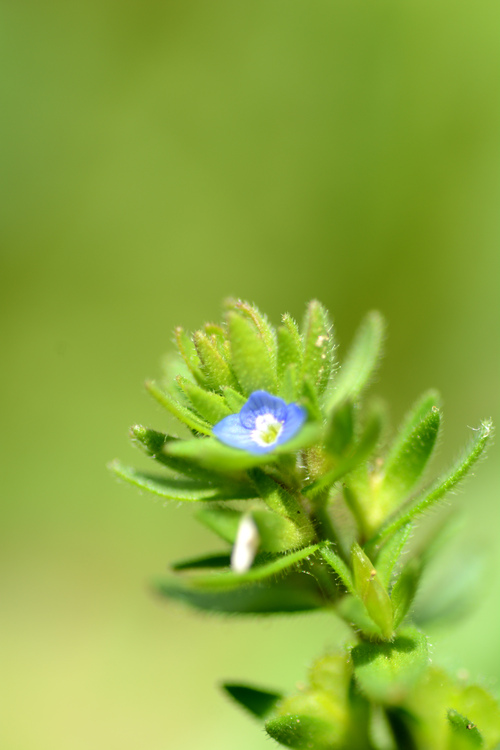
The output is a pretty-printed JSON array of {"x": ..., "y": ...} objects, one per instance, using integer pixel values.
[{"x": 267, "y": 429}]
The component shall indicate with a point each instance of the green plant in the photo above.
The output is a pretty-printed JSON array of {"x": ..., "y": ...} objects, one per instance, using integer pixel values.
[{"x": 294, "y": 474}]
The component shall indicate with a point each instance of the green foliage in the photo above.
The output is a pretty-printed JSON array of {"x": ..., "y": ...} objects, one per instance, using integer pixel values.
[
  {"x": 371, "y": 591},
  {"x": 295, "y": 593},
  {"x": 405, "y": 589},
  {"x": 386, "y": 672},
  {"x": 251, "y": 359},
  {"x": 291, "y": 509},
  {"x": 362, "y": 360},
  {"x": 464, "y": 733},
  {"x": 448, "y": 481},
  {"x": 317, "y": 335},
  {"x": 259, "y": 702}
]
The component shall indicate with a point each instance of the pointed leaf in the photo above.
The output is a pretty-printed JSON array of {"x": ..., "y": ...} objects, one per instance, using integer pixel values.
[
  {"x": 301, "y": 731},
  {"x": 319, "y": 346},
  {"x": 250, "y": 356},
  {"x": 340, "y": 431},
  {"x": 222, "y": 521},
  {"x": 259, "y": 321},
  {"x": 215, "y": 369},
  {"x": 361, "y": 361},
  {"x": 356, "y": 456},
  {"x": 155, "y": 443},
  {"x": 197, "y": 563},
  {"x": 339, "y": 566},
  {"x": 277, "y": 533},
  {"x": 353, "y": 611},
  {"x": 371, "y": 591},
  {"x": 289, "y": 346},
  {"x": 408, "y": 458},
  {"x": 188, "y": 352},
  {"x": 482, "y": 709},
  {"x": 290, "y": 387},
  {"x": 419, "y": 411},
  {"x": 455, "y": 589},
  {"x": 439, "y": 489},
  {"x": 464, "y": 733},
  {"x": 210, "y": 453},
  {"x": 210, "y": 406},
  {"x": 231, "y": 580},
  {"x": 180, "y": 412},
  {"x": 405, "y": 589},
  {"x": 284, "y": 504},
  {"x": 259, "y": 702},
  {"x": 386, "y": 672},
  {"x": 234, "y": 400},
  {"x": 187, "y": 490},
  {"x": 295, "y": 593},
  {"x": 390, "y": 553}
]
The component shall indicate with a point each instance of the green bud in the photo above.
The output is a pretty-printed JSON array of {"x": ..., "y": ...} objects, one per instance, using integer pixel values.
[{"x": 371, "y": 592}]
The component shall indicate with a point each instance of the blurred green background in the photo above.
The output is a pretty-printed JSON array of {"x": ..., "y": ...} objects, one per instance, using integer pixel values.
[{"x": 155, "y": 158}]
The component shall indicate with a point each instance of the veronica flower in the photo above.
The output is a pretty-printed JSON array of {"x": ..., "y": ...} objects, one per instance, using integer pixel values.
[{"x": 263, "y": 423}]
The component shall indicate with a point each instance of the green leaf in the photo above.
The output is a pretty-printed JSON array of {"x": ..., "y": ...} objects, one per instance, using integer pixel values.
[
  {"x": 353, "y": 611},
  {"x": 371, "y": 591},
  {"x": 153, "y": 443},
  {"x": 301, "y": 731},
  {"x": 295, "y": 593},
  {"x": 409, "y": 456},
  {"x": 187, "y": 490},
  {"x": 402, "y": 724},
  {"x": 289, "y": 346},
  {"x": 314, "y": 718},
  {"x": 439, "y": 489},
  {"x": 221, "y": 520},
  {"x": 282, "y": 502},
  {"x": 188, "y": 352},
  {"x": 210, "y": 453},
  {"x": 361, "y": 361},
  {"x": 259, "y": 702},
  {"x": 339, "y": 566},
  {"x": 210, "y": 406},
  {"x": 405, "y": 589},
  {"x": 390, "y": 553},
  {"x": 319, "y": 346},
  {"x": 276, "y": 533},
  {"x": 453, "y": 587},
  {"x": 386, "y": 672},
  {"x": 464, "y": 733},
  {"x": 259, "y": 321},
  {"x": 482, "y": 709},
  {"x": 290, "y": 387},
  {"x": 206, "y": 561},
  {"x": 355, "y": 457},
  {"x": 177, "y": 410},
  {"x": 215, "y": 369},
  {"x": 419, "y": 411},
  {"x": 250, "y": 356},
  {"x": 234, "y": 400},
  {"x": 230, "y": 580},
  {"x": 340, "y": 430}
]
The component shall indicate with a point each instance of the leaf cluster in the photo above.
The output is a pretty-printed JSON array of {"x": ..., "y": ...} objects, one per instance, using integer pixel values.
[{"x": 334, "y": 510}]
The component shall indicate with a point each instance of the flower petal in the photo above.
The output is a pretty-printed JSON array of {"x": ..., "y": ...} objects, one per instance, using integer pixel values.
[
  {"x": 294, "y": 419},
  {"x": 260, "y": 403},
  {"x": 231, "y": 432}
]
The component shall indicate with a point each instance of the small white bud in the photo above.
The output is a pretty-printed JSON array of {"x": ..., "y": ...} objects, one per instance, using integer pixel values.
[{"x": 246, "y": 545}]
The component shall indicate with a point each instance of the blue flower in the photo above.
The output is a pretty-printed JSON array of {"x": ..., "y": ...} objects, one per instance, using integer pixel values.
[{"x": 264, "y": 422}]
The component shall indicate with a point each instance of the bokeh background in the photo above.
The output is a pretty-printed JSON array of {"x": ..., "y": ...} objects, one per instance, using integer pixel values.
[{"x": 155, "y": 158}]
